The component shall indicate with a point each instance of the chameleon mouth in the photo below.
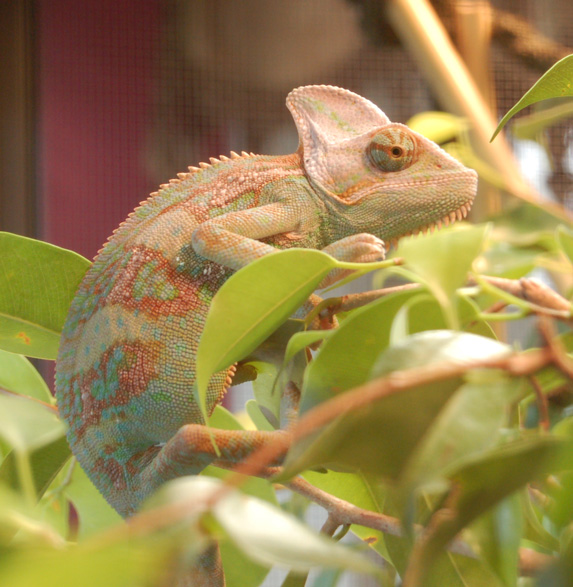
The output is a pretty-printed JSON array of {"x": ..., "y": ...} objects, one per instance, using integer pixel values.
[{"x": 448, "y": 219}]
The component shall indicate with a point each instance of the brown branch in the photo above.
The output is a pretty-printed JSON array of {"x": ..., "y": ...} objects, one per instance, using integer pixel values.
[
  {"x": 543, "y": 299},
  {"x": 517, "y": 364}
]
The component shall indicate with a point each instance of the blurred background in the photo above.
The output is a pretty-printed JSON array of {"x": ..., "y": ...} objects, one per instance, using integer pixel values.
[{"x": 102, "y": 100}]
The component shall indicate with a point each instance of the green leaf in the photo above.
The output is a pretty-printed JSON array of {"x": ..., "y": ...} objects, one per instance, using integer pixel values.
[
  {"x": 346, "y": 359},
  {"x": 239, "y": 570},
  {"x": 530, "y": 126},
  {"x": 263, "y": 532},
  {"x": 564, "y": 237},
  {"x": 267, "y": 397},
  {"x": 497, "y": 536},
  {"x": 431, "y": 260},
  {"x": 440, "y": 127},
  {"x": 26, "y": 424},
  {"x": 379, "y": 439},
  {"x": 119, "y": 566},
  {"x": 557, "y": 82},
  {"x": 37, "y": 284},
  {"x": 300, "y": 340},
  {"x": 257, "y": 416},
  {"x": 94, "y": 513},
  {"x": 253, "y": 303},
  {"x": 45, "y": 463},
  {"x": 494, "y": 475},
  {"x": 470, "y": 422},
  {"x": 17, "y": 374}
]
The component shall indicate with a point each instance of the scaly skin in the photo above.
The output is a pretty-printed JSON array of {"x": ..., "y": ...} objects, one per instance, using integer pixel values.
[{"x": 126, "y": 368}]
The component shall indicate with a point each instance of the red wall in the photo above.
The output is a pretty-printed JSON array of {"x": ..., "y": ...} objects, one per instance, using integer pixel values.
[{"x": 96, "y": 66}]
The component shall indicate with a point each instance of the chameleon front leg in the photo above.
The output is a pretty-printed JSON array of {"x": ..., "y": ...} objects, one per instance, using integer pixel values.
[
  {"x": 232, "y": 239},
  {"x": 356, "y": 248}
]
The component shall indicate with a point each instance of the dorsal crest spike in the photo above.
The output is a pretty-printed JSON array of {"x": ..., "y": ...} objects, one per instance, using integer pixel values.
[
  {"x": 235, "y": 155},
  {"x": 204, "y": 165}
]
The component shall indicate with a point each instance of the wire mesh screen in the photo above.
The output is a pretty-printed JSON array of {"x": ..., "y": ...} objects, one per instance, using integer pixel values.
[{"x": 129, "y": 98}]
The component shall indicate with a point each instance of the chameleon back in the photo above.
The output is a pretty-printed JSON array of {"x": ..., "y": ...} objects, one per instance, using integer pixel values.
[{"x": 126, "y": 365}]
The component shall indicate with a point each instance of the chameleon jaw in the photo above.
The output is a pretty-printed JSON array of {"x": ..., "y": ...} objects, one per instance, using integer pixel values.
[{"x": 448, "y": 219}]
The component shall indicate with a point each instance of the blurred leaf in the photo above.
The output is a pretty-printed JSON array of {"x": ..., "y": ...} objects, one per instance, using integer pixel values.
[
  {"x": 263, "y": 532},
  {"x": 430, "y": 261},
  {"x": 345, "y": 360},
  {"x": 440, "y": 127},
  {"x": 503, "y": 259},
  {"x": 268, "y": 398},
  {"x": 17, "y": 374},
  {"x": 37, "y": 284},
  {"x": 534, "y": 529},
  {"x": 526, "y": 225},
  {"x": 556, "y": 82},
  {"x": 257, "y": 416},
  {"x": 45, "y": 462},
  {"x": 529, "y": 127},
  {"x": 94, "y": 513},
  {"x": 497, "y": 536},
  {"x": 449, "y": 569},
  {"x": 119, "y": 566},
  {"x": 494, "y": 475},
  {"x": 26, "y": 424},
  {"x": 239, "y": 570},
  {"x": 469, "y": 423},
  {"x": 380, "y": 438},
  {"x": 564, "y": 238},
  {"x": 436, "y": 346},
  {"x": 294, "y": 579}
]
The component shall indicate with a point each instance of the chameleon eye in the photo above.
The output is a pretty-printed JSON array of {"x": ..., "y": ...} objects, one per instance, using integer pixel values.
[{"x": 392, "y": 149}]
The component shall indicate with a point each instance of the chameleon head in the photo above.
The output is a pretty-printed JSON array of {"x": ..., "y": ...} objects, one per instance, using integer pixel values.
[{"x": 353, "y": 154}]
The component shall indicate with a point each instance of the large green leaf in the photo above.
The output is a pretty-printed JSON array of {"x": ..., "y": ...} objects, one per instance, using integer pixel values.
[
  {"x": 556, "y": 82},
  {"x": 347, "y": 357},
  {"x": 496, "y": 535},
  {"x": 255, "y": 301},
  {"x": 381, "y": 438},
  {"x": 37, "y": 284}
]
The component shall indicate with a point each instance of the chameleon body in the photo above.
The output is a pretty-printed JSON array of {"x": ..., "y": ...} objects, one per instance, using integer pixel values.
[{"x": 126, "y": 366}]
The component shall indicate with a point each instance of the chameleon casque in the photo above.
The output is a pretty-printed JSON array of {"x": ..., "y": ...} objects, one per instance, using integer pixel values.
[{"x": 126, "y": 366}]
